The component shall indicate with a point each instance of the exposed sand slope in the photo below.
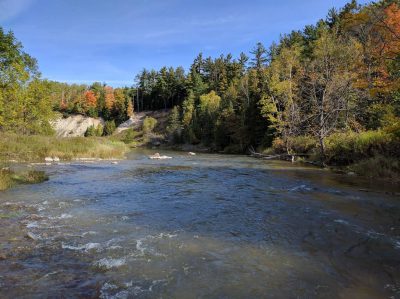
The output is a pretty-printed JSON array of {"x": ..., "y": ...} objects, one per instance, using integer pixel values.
[{"x": 75, "y": 125}]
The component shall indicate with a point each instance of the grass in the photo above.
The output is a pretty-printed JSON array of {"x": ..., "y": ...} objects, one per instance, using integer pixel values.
[
  {"x": 378, "y": 167},
  {"x": 9, "y": 178},
  {"x": 36, "y": 148},
  {"x": 374, "y": 153}
]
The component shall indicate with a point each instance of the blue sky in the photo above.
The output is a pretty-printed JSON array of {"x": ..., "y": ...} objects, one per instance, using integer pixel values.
[{"x": 82, "y": 41}]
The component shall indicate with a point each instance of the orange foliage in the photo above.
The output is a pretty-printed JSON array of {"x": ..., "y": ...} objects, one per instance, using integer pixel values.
[
  {"x": 90, "y": 98},
  {"x": 109, "y": 97},
  {"x": 379, "y": 33},
  {"x": 392, "y": 30}
]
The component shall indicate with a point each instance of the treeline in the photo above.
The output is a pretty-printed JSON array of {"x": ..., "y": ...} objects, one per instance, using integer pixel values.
[
  {"x": 28, "y": 103},
  {"x": 339, "y": 75},
  {"x": 96, "y": 100}
]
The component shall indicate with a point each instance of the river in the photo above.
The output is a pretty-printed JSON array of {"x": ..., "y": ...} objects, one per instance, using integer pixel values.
[{"x": 205, "y": 226}]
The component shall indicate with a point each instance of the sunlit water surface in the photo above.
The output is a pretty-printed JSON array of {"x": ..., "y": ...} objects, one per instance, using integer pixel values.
[{"x": 207, "y": 226}]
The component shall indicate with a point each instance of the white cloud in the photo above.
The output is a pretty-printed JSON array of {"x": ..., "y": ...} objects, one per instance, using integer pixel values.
[{"x": 11, "y": 8}]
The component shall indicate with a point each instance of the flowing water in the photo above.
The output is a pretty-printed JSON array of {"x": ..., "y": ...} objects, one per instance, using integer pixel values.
[{"x": 207, "y": 226}]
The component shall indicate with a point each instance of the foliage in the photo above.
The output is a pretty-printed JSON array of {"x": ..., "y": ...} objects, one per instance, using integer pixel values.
[
  {"x": 94, "y": 131},
  {"x": 174, "y": 128},
  {"x": 331, "y": 89},
  {"x": 109, "y": 128},
  {"x": 149, "y": 124},
  {"x": 349, "y": 147}
]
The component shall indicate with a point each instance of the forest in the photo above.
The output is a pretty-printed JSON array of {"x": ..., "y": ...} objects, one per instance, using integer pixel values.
[{"x": 330, "y": 91}]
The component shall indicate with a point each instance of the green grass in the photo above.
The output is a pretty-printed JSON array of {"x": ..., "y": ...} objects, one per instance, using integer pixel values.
[
  {"x": 36, "y": 148},
  {"x": 9, "y": 178}
]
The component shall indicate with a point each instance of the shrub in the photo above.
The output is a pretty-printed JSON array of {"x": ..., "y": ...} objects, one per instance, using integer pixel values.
[
  {"x": 90, "y": 131},
  {"x": 109, "y": 128},
  {"x": 94, "y": 131},
  {"x": 149, "y": 124},
  {"x": 298, "y": 145},
  {"x": 129, "y": 136},
  {"x": 378, "y": 167},
  {"x": 349, "y": 147}
]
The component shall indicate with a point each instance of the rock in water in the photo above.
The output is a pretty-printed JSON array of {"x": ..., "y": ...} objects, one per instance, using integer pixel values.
[
  {"x": 48, "y": 159},
  {"x": 157, "y": 156}
]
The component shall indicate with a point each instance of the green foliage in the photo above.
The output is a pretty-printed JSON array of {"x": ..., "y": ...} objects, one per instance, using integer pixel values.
[
  {"x": 24, "y": 100},
  {"x": 149, "y": 124},
  {"x": 129, "y": 136},
  {"x": 174, "y": 128},
  {"x": 350, "y": 147},
  {"x": 94, "y": 131},
  {"x": 109, "y": 128},
  {"x": 295, "y": 145}
]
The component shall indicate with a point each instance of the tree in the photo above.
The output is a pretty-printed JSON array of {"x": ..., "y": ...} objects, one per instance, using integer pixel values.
[
  {"x": 329, "y": 78},
  {"x": 174, "y": 128},
  {"x": 208, "y": 107},
  {"x": 281, "y": 105}
]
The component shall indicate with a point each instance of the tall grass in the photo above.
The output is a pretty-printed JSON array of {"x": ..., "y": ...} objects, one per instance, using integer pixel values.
[
  {"x": 36, "y": 148},
  {"x": 350, "y": 147}
]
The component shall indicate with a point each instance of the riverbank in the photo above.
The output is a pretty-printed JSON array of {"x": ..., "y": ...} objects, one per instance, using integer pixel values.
[
  {"x": 22, "y": 149},
  {"x": 373, "y": 154},
  {"x": 15, "y": 148}
]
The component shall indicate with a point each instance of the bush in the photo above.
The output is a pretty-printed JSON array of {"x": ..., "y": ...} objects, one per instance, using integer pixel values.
[
  {"x": 90, "y": 131},
  {"x": 378, "y": 167},
  {"x": 298, "y": 145},
  {"x": 149, "y": 124},
  {"x": 109, "y": 128},
  {"x": 350, "y": 147},
  {"x": 129, "y": 136},
  {"x": 94, "y": 131}
]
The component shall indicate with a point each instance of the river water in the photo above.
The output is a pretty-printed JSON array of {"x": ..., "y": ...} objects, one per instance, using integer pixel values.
[{"x": 207, "y": 226}]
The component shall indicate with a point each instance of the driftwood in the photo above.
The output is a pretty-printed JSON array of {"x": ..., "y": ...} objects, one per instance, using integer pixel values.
[{"x": 254, "y": 154}]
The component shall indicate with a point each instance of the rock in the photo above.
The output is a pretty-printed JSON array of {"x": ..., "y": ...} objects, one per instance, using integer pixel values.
[
  {"x": 157, "y": 156},
  {"x": 31, "y": 236},
  {"x": 191, "y": 154},
  {"x": 48, "y": 159},
  {"x": 114, "y": 162},
  {"x": 56, "y": 159},
  {"x": 2, "y": 257}
]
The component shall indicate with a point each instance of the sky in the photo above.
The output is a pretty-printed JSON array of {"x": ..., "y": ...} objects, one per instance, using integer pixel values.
[{"x": 83, "y": 41}]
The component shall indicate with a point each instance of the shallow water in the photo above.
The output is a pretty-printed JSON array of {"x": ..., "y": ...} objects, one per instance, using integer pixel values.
[{"x": 207, "y": 226}]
